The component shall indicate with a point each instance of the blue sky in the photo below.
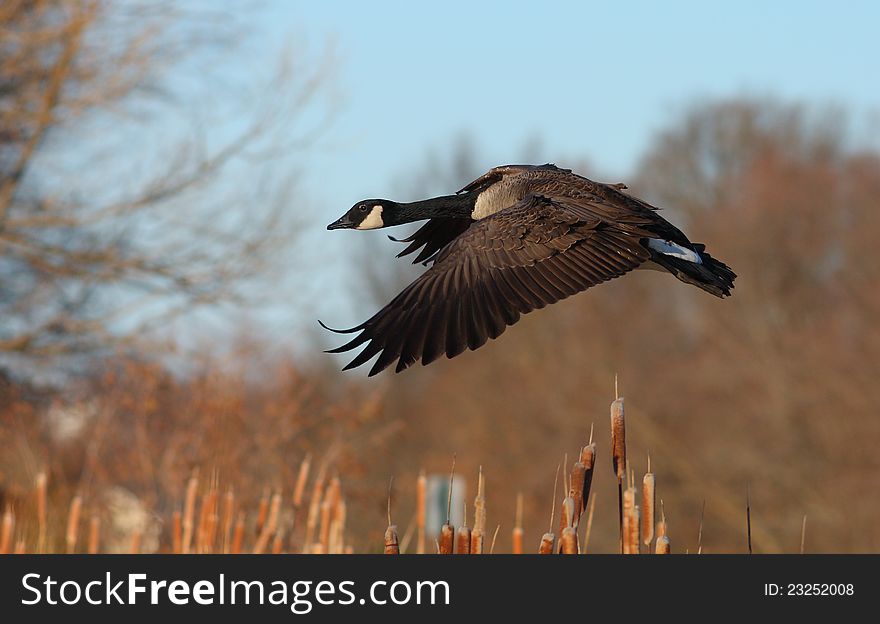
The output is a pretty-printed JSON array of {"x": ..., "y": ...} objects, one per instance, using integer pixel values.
[{"x": 589, "y": 79}]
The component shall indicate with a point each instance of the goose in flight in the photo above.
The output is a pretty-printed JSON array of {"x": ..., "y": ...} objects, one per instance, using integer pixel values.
[{"x": 517, "y": 238}]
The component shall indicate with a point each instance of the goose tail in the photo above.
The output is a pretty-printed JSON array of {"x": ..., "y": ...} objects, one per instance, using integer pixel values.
[{"x": 694, "y": 266}]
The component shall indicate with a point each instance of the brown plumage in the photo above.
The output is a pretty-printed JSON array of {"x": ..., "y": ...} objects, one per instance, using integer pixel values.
[{"x": 514, "y": 240}]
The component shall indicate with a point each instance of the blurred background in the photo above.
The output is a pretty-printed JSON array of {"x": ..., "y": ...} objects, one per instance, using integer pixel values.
[{"x": 167, "y": 171}]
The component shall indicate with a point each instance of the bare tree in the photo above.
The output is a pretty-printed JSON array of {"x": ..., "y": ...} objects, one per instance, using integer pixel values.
[{"x": 125, "y": 197}]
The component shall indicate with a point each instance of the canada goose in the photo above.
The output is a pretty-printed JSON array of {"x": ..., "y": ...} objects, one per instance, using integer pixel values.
[{"x": 515, "y": 239}]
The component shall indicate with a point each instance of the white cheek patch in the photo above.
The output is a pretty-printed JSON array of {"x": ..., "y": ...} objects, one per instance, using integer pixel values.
[{"x": 373, "y": 220}]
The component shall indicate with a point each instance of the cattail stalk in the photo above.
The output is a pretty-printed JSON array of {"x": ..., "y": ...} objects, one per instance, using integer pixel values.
[
  {"x": 618, "y": 456},
  {"x": 648, "y": 500},
  {"x": 41, "y": 512},
  {"x": 630, "y": 522},
  {"x": 228, "y": 518},
  {"x": 73, "y": 523},
  {"x": 176, "y": 533}
]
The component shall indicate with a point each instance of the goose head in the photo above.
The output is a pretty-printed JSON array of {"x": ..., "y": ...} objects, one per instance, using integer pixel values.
[{"x": 367, "y": 214}]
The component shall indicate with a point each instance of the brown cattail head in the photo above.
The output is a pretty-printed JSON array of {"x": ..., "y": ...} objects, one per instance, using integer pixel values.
[
  {"x": 648, "y": 508},
  {"x": 463, "y": 541},
  {"x": 447, "y": 538},
  {"x": 588, "y": 459},
  {"x": 566, "y": 513},
  {"x": 95, "y": 534},
  {"x": 576, "y": 489},
  {"x": 569, "y": 541},
  {"x": 73, "y": 523},
  {"x": 618, "y": 439},
  {"x": 630, "y": 522},
  {"x": 392, "y": 543},
  {"x": 301, "y": 478},
  {"x": 6, "y": 529},
  {"x": 662, "y": 547},
  {"x": 548, "y": 544},
  {"x": 238, "y": 535},
  {"x": 41, "y": 511}
]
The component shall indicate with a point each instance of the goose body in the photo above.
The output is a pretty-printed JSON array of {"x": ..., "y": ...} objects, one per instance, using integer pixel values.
[{"x": 516, "y": 239}]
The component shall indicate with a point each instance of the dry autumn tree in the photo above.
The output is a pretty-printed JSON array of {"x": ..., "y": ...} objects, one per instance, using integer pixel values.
[{"x": 119, "y": 209}]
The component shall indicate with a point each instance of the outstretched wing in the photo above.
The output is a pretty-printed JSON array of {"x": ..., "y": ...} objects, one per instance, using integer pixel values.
[
  {"x": 432, "y": 237},
  {"x": 524, "y": 257}
]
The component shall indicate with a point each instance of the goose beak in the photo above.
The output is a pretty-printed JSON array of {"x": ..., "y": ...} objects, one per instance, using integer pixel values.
[{"x": 342, "y": 222}]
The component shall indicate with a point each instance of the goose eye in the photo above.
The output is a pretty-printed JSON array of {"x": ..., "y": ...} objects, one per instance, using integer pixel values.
[{"x": 362, "y": 207}]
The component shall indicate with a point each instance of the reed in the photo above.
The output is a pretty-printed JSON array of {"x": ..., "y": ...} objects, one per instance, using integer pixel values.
[
  {"x": 42, "y": 514},
  {"x": 648, "y": 494},
  {"x": 301, "y": 478},
  {"x": 189, "y": 510},
  {"x": 618, "y": 456},
  {"x": 73, "y": 523}
]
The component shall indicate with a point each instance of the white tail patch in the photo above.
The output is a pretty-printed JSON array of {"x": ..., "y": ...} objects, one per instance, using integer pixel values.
[{"x": 668, "y": 248}]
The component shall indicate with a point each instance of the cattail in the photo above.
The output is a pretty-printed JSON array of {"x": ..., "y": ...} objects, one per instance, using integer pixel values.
[
  {"x": 618, "y": 456},
  {"x": 518, "y": 529},
  {"x": 73, "y": 523},
  {"x": 176, "y": 535},
  {"x": 421, "y": 500},
  {"x": 618, "y": 439},
  {"x": 270, "y": 525},
  {"x": 324, "y": 533},
  {"x": 569, "y": 541},
  {"x": 648, "y": 506},
  {"x": 566, "y": 515},
  {"x": 630, "y": 522},
  {"x": 479, "y": 516},
  {"x": 276, "y": 544},
  {"x": 136, "y": 541},
  {"x": 662, "y": 547},
  {"x": 237, "y": 534},
  {"x": 446, "y": 539},
  {"x": 262, "y": 512},
  {"x": 95, "y": 533},
  {"x": 228, "y": 518},
  {"x": 588, "y": 459},
  {"x": 189, "y": 510},
  {"x": 548, "y": 544},
  {"x": 463, "y": 542},
  {"x": 6, "y": 529},
  {"x": 41, "y": 511},
  {"x": 576, "y": 490},
  {"x": 661, "y": 523},
  {"x": 392, "y": 545},
  {"x": 301, "y": 478},
  {"x": 20, "y": 547},
  {"x": 314, "y": 508}
]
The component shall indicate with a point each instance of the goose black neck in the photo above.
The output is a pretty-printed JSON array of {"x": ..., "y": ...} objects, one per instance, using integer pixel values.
[{"x": 459, "y": 206}]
